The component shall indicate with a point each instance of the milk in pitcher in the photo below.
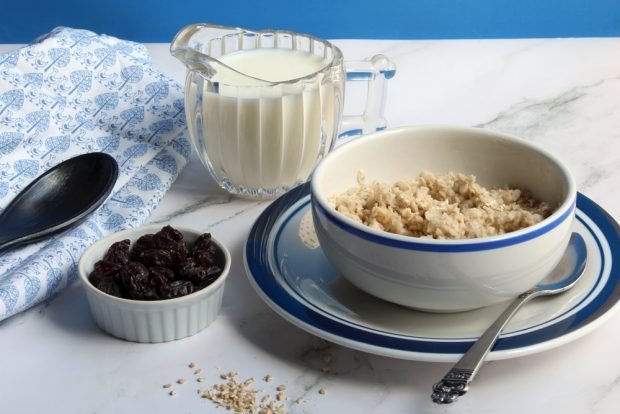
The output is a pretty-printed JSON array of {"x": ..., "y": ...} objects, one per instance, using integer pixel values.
[{"x": 268, "y": 138}]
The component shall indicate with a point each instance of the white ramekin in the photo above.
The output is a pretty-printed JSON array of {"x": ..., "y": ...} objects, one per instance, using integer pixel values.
[{"x": 151, "y": 321}]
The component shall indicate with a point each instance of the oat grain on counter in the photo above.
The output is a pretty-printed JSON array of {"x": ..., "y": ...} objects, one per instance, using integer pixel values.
[
  {"x": 229, "y": 375},
  {"x": 248, "y": 382},
  {"x": 327, "y": 358}
]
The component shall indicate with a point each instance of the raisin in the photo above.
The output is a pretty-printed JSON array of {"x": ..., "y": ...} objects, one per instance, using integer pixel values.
[
  {"x": 207, "y": 276},
  {"x": 172, "y": 233},
  {"x": 108, "y": 285},
  {"x": 176, "y": 289},
  {"x": 198, "y": 276},
  {"x": 107, "y": 267},
  {"x": 156, "y": 257},
  {"x": 162, "y": 273},
  {"x": 212, "y": 274},
  {"x": 179, "y": 255},
  {"x": 204, "y": 258},
  {"x": 103, "y": 269},
  {"x": 186, "y": 268},
  {"x": 145, "y": 241},
  {"x": 214, "y": 271},
  {"x": 157, "y": 282},
  {"x": 134, "y": 277},
  {"x": 142, "y": 244},
  {"x": 202, "y": 243},
  {"x": 118, "y": 252},
  {"x": 166, "y": 240}
]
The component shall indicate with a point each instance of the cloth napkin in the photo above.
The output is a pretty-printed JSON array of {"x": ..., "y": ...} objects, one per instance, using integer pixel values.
[{"x": 72, "y": 92}]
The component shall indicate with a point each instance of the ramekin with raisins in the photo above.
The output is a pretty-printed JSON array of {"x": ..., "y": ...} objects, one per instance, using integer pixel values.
[{"x": 155, "y": 283}]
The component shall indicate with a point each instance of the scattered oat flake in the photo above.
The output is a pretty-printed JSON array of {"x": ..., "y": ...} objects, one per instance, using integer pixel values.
[
  {"x": 166, "y": 385},
  {"x": 198, "y": 371},
  {"x": 229, "y": 375},
  {"x": 322, "y": 391},
  {"x": 172, "y": 392},
  {"x": 272, "y": 408},
  {"x": 300, "y": 400},
  {"x": 281, "y": 396},
  {"x": 281, "y": 387},
  {"x": 200, "y": 379},
  {"x": 327, "y": 358},
  {"x": 248, "y": 381},
  {"x": 181, "y": 381},
  {"x": 268, "y": 378},
  {"x": 192, "y": 365}
]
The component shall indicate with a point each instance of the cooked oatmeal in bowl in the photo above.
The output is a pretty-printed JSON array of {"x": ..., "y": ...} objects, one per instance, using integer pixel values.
[
  {"x": 442, "y": 206},
  {"x": 446, "y": 218}
]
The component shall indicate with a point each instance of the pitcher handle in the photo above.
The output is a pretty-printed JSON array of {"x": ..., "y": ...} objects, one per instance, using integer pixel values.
[{"x": 376, "y": 71}]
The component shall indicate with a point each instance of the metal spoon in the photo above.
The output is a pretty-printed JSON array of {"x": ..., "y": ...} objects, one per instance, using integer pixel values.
[
  {"x": 563, "y": 277},
  {"x": 58, "y": 199}
]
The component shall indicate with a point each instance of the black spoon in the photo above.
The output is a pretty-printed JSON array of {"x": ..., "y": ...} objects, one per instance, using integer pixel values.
[{"x": 58, "y": 199}]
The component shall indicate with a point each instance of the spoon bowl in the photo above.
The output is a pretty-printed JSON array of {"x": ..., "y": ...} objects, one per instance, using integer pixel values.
[{"x": 60, "y": 198}]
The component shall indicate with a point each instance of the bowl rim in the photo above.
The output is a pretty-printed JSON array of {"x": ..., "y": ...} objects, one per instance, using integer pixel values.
[
  {"x": 142, "y": 230},
  {"x": 564, "y": 211}
]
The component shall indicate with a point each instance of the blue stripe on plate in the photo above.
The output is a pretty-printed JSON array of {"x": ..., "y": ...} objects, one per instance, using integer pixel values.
[{"x": 257, "y": 252}]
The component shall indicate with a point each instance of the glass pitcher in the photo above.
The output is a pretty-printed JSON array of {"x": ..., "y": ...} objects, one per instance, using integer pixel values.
[{"x": 264, "y": 107}]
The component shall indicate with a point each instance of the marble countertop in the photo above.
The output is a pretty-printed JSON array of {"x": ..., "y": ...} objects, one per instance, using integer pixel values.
[{"x": 563, "y": 94}]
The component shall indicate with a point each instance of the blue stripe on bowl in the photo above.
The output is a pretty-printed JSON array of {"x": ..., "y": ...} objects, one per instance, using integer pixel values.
[
  {"x": 449, "y": 246},
  {"x": 257, "y": 251}
]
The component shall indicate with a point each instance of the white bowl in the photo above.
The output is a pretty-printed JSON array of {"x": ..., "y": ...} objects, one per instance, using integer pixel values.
[
  {"x": 443, "y": 275},
  {"x": 158, "y": 320}
]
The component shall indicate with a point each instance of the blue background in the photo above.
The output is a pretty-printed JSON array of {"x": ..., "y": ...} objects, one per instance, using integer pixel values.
[{"x": 158, "y": 21}]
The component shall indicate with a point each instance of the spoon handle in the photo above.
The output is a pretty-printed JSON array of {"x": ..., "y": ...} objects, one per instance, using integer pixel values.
[{"x": 456, "y": 382}]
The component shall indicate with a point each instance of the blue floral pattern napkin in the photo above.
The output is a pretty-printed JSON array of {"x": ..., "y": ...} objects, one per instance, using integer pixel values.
[{"x": 72, "y": 92}]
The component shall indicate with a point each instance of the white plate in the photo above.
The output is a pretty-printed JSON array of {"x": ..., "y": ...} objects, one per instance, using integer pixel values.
[{"x": 287, "y": 268}]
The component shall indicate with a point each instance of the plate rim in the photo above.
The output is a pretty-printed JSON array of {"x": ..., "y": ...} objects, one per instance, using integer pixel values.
[{"x": 281, "y": 206}]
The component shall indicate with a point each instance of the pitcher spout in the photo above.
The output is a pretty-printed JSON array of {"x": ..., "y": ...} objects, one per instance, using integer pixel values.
[{"x": 198, "y": 46}]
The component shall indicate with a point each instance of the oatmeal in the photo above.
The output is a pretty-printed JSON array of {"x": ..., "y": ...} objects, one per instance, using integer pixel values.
[{"x": 448, "y": 206}]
